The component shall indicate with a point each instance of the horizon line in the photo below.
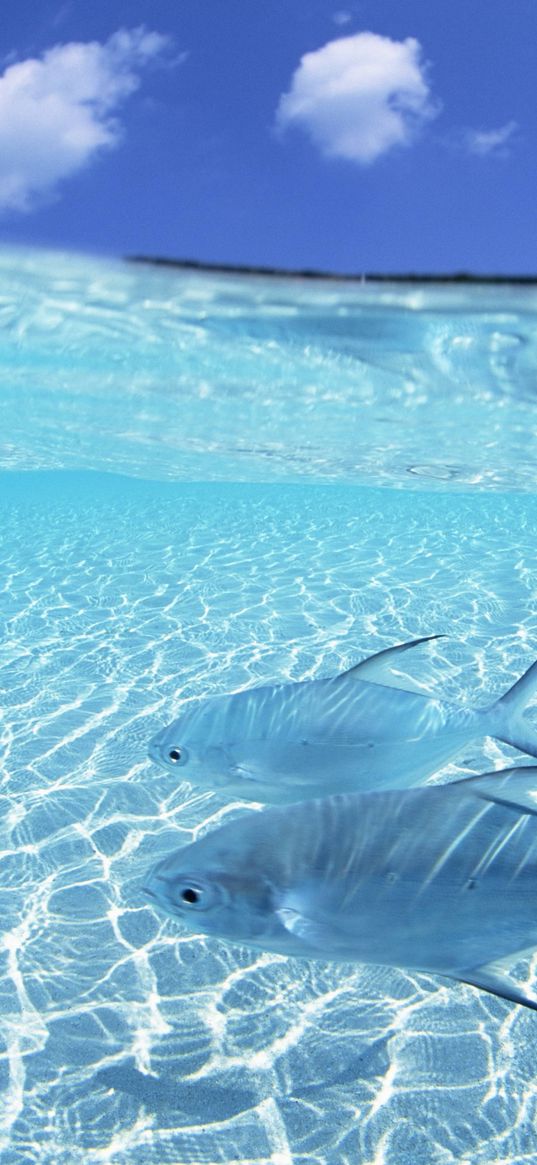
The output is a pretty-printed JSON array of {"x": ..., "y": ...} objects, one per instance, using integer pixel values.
[{"x": 342, "y": 276}]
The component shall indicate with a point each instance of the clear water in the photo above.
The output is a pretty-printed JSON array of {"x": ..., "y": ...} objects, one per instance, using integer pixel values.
[{"x": 210, "y": 482}]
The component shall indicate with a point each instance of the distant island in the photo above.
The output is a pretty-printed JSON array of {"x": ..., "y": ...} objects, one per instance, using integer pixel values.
[{"x": 307, "y": 273}]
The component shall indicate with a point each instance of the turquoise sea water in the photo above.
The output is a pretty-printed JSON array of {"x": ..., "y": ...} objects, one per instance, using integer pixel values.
[{"x": 207, "y": 483}]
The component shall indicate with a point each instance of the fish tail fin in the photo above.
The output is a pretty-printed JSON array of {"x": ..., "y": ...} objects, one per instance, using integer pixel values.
[
  {"x": 507, "y": 720},
  {"x": 493, "y": 979}
]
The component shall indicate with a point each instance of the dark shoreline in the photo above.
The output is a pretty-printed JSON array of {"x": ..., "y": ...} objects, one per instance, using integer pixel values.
[{"x": 456, "y": 277}]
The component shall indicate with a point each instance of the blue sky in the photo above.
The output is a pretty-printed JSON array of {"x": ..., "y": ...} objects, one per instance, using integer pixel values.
[{"x": 381, "y": 135}]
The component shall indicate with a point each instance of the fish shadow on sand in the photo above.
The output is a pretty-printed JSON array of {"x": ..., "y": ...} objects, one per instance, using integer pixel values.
[{"x": 204, "y": 1101}]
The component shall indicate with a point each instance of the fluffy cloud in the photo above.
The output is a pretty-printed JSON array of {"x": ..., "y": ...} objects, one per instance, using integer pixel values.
[
  {"x": 491, "y": 141},
  {"x": 56, "y": 112},
  {"x": 359, "y": 96}
]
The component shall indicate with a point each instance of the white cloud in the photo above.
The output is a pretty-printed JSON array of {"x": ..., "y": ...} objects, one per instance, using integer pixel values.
[
  {"x": 491, "y": 141},
  {"x": 56, "y": 111},
  {"x": 342, "y": 17},
  {"x": 359, "y": 96}
]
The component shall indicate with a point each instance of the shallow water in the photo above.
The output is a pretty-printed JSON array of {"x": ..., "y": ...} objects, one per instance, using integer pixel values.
[{"x": 127, "y": 588}]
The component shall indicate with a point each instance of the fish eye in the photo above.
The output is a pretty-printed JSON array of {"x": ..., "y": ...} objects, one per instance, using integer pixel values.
[
  {"x": 178, "y": 756},
  {"x": 192, "y": 894},
  {"x": 189, "y": 894}
]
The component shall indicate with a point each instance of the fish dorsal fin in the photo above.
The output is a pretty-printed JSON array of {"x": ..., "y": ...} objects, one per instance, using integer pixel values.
[
  {"x": 378, "y": 668},
  {"x": 516, "y": 788},
  {"x": 492, "y": 978}
]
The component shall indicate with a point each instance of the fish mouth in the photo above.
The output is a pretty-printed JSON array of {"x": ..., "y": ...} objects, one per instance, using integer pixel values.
[
  {"x": 153, "y": 753},
  {"x": 160, "y": 902},
  {"x": 155, "y": 887}
]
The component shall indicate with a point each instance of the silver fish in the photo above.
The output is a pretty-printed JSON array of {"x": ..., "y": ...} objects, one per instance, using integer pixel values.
[
  {"x": 439, "y": 879},
  {"x": 354, "y": 732}
]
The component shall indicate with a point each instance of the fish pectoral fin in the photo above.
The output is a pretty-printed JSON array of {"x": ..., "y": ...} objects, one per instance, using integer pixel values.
[
  {"x": 492, "y": 978},
  {"x": 242, "y": 773},
  {"x": 304, "y": 928},
  {"x": 319, "y": 934},
  {"x": 516, "y": 787},
  {"x": 378, "y": 668}
]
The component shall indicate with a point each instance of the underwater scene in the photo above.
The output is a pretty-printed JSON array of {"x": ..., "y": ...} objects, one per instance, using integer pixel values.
[{"x": 212, "y": 485}]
